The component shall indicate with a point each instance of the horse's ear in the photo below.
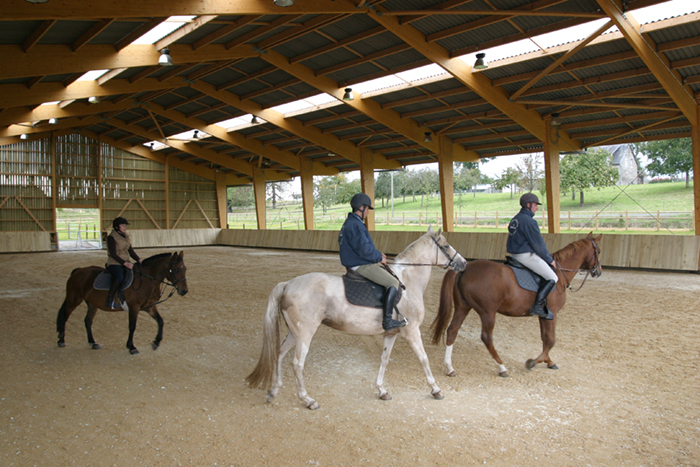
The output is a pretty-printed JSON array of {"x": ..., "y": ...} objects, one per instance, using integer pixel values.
[
  {"x": 173, "y": 258},
  {"x": 590, "y": 234},
  {"x": 430, "y": 229},
  {"x": 597, "y": 239},
  {"x": 182, "y": 254},
  {"x": 439, "y": 231}
]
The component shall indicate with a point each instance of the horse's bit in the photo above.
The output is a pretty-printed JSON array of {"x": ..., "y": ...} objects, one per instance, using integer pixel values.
[
  {"x": 443, "y": 248},
  {"x": 166, "y": 280}
]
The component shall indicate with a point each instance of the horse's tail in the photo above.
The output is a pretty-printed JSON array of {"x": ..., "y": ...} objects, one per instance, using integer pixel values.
[
  {"x": 264, "y": 371},
  {"x": 446, "y": 307}
]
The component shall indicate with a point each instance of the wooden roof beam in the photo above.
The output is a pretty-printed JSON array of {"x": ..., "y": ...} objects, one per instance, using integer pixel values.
[
  {"x": 646, "y": 48},
  {"x": 91, "y": 33},
  {"x": 184, "y": 30},
  {"x": 37, "y": 34}
]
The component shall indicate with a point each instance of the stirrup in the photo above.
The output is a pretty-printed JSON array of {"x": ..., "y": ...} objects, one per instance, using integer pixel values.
[
  {"x": 393, "y": 325},
  {"x": 541, "y": 312}
]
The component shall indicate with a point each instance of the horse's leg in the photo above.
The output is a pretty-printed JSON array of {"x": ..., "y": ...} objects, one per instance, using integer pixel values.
[
  {"x": 414, "y": 339},
  {"x": 302, "y": 348},
  {"x": 461, "y": 312},
  {"x": 92, "y": 310},
  {"x": 488, "y": 320},
  {"x": 69, "y": 304},
  {"x": 153, "y": 312},
  {"x": 547, "y": 328},
  {"x": 288, "y": 343},
  {"x": 389, "y": 340},
  {"x": 133, "y": 316}
]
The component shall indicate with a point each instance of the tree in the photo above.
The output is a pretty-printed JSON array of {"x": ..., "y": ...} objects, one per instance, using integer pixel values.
[
  {"x": 332, "y": 190},
  {"x": 591, "y": 169},
  {"x": 427, "y": 182},
  {"x": 466, "y": 178},
  {"x": 240, "y": 196},
  {"x": 382, "y": 187},
  {"x": 275, "y": 190},
  {"x": 531, "y": 173},
  {"x": 669, "y": 157},
  {"x": 510, "y": 177}
]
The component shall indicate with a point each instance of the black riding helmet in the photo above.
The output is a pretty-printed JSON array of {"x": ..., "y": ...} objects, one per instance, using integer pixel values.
[
  {"x": 118, "y": 221},
  {"x": 360, "y": 200},
  {"x": 529, "y": 198}
]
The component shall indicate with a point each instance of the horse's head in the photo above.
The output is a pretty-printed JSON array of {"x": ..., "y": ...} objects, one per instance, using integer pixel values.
[
  {"x": 450, "y": 258},
  {"x": 176, "y": 273},
  {"x": 592, "y": 262}
]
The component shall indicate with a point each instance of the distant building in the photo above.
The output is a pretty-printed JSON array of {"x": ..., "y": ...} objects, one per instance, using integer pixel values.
[{"x": 626, "y": 164}]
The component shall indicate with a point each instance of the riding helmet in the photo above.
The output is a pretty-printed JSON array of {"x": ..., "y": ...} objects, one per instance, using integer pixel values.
[
  {"x": 360, "y": 200},
  {"x": 529, "y": 198},
  {"x": 118, "y": 221}
]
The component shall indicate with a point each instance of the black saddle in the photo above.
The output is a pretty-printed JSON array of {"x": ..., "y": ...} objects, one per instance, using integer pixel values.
[
  {"x": 104, "y": 280},
  {"x": 526, "y": 278},
  {"x": 361, "y": 291}
]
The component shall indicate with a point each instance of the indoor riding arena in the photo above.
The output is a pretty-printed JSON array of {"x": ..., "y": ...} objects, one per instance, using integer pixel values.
[{"x": 153, "y": 110}]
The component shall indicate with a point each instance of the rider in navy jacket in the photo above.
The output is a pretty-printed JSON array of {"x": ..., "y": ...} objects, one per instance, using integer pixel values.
[
  {"x": 357, "y": 252},
  {"x": 526, "y": 245}
]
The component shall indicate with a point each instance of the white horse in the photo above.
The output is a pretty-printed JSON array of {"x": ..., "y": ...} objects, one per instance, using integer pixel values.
[{"x": 313, "y": 299}]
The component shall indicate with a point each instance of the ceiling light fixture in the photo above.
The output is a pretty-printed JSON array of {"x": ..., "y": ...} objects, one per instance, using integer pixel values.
[
  {"x": 53, "y": 121},
  {"x": 348, "y": 96},
  {"x": 165, "y": 59},
  {"x": 23, "y": 136},
  {"x": 94, "y": 100},
  {"x": 480, "y": 63},
  {"x": 284, "y": 3},
  {"x": 37, "y": 1},
  {"x": 195, "y": 135},
  {"x": 254, "y": 121},
  {"x": 555, "y": 120},
  {"x": 428, "y": 137}
]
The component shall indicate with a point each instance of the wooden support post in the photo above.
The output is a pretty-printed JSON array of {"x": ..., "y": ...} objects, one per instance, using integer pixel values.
[
  {"x": 307, "y": 192},
  {"x": 166, "y": 178},
  {"x": 552, "y": 177},
  {"x": 367, "y": 182},
  {"x": 221, "y": 199},
  {"x": 695, "y": 133},
  {"x": 260, "y": 194},
  {"x": 447, "y": 193}
]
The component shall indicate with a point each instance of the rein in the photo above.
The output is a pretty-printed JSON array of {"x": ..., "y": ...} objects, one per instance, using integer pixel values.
[{"x": 437, "y": 254}]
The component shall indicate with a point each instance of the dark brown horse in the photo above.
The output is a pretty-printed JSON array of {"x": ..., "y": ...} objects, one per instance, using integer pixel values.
[
  {"x": 144, "y": 294},
  {"x": 491, "y": 288}
]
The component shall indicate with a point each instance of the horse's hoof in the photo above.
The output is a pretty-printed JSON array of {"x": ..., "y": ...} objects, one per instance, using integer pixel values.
[
  {"x": 452, "y": 374},
  {"x": 61, "y": 344},
  {"x": 553, "y": 367},
  {"x": 503, "y": 374},
  {"x": 134, "y": 351},
  {"x": 154, "y": 345},
  {"x": 313, "y": 406},
  {"x": 530, "y": 364},
  {"x": 385, "y": 396},
  {"x": 437, "y": 395},
  {"x": 95, "y": 346}
]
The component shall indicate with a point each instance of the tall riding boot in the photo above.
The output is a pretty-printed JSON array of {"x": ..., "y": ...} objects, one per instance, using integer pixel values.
[
  {"x": 388, "y": 323},
  {"x": 112, "y": 291},
  {"x": 538, "y": 309}
]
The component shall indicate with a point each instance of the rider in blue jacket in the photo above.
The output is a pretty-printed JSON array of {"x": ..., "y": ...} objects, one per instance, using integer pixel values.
[
  {"x": 526, "y": 245},
  {"x": 357, "y": 252}
]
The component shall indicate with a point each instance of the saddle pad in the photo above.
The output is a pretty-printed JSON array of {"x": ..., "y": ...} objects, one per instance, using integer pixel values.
[
  {"x": 104, "y": 280},
  {"x": 365, "y": 292},
  {"x": 526, "y": 279}
]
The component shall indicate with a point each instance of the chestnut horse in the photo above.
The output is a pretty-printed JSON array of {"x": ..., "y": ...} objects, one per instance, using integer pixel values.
[
  {"x": 308, "y": 301},
  {"x": 490, "y": 288},
  {"x": 144, "y": 294}
]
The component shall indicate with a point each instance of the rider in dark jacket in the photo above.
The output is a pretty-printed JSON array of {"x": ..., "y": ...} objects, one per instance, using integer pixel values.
[
  {"x": 357, "y": 252},
  {"x": 526, "y": 245}
]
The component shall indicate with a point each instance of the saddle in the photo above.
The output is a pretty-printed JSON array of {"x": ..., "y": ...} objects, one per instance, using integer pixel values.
[
  {"x": 361, "y": 291},
  {"x": 104, "y": 280},
  {"x": 526, "y": 278}
]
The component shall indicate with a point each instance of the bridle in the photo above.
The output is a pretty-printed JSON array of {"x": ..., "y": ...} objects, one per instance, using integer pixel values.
[
  {"x": 165, "y": 283},
  {"x": 589, "y": 272}
]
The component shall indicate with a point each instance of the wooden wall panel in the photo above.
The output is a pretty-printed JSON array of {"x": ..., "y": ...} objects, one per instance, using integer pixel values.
[
  {"x": 21, "y": 242},
  {"x": 173, "y": 238}
]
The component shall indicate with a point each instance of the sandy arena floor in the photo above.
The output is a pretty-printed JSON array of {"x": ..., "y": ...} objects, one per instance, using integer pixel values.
[{"x": 627, "y": 392}]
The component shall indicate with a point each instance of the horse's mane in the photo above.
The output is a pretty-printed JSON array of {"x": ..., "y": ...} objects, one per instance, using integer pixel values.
[
  {"x": 570, "y": 250},
  {"x": 407, "y": 253},
  {"x": 154, "y": 258}
]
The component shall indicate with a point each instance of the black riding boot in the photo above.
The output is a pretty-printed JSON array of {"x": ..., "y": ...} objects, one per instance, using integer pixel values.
[
  {"x": 388, "y": 323},
  {"x": 538, "y": 309},
  {"x": 112, "y": 291}
]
